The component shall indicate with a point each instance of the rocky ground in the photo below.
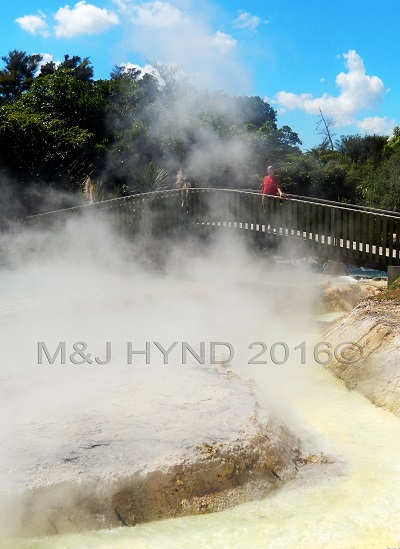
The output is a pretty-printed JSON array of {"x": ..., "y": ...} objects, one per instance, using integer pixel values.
[
  {"x": 137, "y": 449},
  {"x": 371, "y": 365},
  {"x": 85, "y": 448},
  {"x": 342, "y": 294}
]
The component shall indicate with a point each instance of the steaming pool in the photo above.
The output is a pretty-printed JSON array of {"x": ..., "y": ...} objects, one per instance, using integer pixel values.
[
  {"x": 352, "y": 506},
  {"x": 351, "y": 501}
]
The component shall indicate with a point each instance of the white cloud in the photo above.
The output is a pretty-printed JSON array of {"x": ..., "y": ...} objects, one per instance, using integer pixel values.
[
  {"x": 156, "y": 14},
  {"x": 292, "y": 101},
  {"x": 127, "y": 66},
  {"x": 376, "y": 125},
  {"x": 358, "y": 92},
  {"x": 247, "y": 21},
  {"x": 183, "y": 37},
  {"x": 123, "y": 5},
  {"x": 83, "y": 19},
  {"x": 222, "y": 42},
  {"x": 146, "y": 69},
  {"x": 34, "y": 24},
  {"x": 46, "y": 58}
]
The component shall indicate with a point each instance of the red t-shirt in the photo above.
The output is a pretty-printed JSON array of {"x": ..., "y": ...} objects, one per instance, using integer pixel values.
[{"x": 270, "y": 185}]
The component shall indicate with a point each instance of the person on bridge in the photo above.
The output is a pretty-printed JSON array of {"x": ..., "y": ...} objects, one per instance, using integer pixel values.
[{"x": 271, "y": 185}]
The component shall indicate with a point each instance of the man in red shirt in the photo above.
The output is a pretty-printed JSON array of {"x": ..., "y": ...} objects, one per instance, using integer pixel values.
[{"x": 271, "y": 185}]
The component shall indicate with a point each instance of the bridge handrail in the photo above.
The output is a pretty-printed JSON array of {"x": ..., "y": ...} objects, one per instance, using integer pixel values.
[
  {"x": 298, "y": 198},
  {"x": 347, "y": 232},
  {"x": 344, "y": 205},
  {"x": 120, "y": 198},
  {"x": 313, "y": 200}
]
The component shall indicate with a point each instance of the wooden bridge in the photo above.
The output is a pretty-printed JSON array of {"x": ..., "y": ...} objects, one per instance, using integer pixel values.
[{"x": 331, "y": 230}]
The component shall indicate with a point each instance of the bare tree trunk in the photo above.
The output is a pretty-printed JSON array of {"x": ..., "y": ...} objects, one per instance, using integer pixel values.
[{"x": 327, "y": 132}]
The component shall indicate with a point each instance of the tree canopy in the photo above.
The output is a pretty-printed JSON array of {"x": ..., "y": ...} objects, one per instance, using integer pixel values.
[
  {"x": 58, "y": 125},
  {"x": 18, "y": 74}
]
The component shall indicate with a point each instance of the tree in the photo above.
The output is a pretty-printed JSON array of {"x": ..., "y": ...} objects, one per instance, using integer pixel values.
[
  {"x": 381, "y": 186},
  {"x": 62, "y": 97},
  {"x": 56, "y": 131},
  {"x": 168, "y": 75},
  {"x": 288, "y": 138},
  {"x": 120, "y": 72},
  {"x": 254, "y": 111},
  {"x": 323, "y": 173},
  {"x": 48, "y": 68},
  {"x": 279, "y": 142},
  {"x": 323, "y": 128},
  {"x": 79, "y": 69},
  {"x": 37, "y": 147},
  {"x": 362, "y": 149},
  {"x": 18, "y": 74},
  {"x": 393, "y": 144}
]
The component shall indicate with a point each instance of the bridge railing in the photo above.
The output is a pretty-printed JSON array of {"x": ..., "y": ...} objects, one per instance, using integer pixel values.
[
  {"x": 11, "y": 227},
  {"x": 346, "y": 232},
  {"x": 332, "y": 230},
  {"x": 147, "y": 213},
  {"x": 362, "y": 236}
]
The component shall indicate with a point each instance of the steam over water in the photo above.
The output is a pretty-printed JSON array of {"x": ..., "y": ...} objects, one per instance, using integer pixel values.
[
  {"x": 352, "y": 505},
  {"x": 87, "y": 284}
]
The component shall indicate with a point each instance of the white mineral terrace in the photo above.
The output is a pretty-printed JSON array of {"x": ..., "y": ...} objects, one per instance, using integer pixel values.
[{"x": 81, "y": 423}]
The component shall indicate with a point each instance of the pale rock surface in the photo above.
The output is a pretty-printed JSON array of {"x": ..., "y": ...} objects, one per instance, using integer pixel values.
[
  {"x": 372, "y": 365},
  {"x": 344, "y": 293},
  {"x": 95, "y": 448}
]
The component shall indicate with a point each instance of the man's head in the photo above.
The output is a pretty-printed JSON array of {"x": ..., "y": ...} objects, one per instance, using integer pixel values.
[{"x": 271, "y": 170}]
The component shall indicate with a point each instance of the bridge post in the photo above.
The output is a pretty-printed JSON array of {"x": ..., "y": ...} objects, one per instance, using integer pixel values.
[{"x": 393, "y": 273}]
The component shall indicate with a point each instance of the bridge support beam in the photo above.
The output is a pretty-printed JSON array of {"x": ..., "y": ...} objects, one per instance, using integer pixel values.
[{"x": 393, "y": 273}]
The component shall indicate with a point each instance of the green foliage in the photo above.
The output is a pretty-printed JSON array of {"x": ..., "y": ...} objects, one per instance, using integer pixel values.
[
  {"x": 78, "y": 68},
  {"x": 121, "y": 73},
  {"x": 55, "y": 131},
  {"x": 395, "y": 285},
  {"x": 64, "y": 97},
  {"x": 322, "y": 173},
  {"x": 53, "y": 148},
  {"x": 396, "y": 131},
  {"x": 381, "y": 186},
  {"x": 254, "y": 111},
  {"x": 392, "y": 293},
  {"x": 287, "y": 137},
  {"x": 392, "y": 147},
  {"x": 362, "y": 149},
  {"x": 393, "y": 144},
  {"x": 219, "y": 124},
  {"x": 60, "y": 125},
  {"x": 18, "y": 74},
  {"x": 152, "y": 177}
]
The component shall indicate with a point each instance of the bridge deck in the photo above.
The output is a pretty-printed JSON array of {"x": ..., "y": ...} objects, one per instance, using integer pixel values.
[{"x": 353, "y": 234}]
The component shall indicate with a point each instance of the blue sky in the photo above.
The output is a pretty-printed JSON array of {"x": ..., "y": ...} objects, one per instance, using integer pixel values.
[{"x": 340, "y": 56}]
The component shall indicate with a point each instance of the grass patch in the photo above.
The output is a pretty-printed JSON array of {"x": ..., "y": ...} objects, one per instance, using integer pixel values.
[{"x": 392, "y": 293}]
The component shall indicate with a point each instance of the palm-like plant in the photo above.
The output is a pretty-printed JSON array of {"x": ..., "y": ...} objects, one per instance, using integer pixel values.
[{"x": 151, "y": 178}]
